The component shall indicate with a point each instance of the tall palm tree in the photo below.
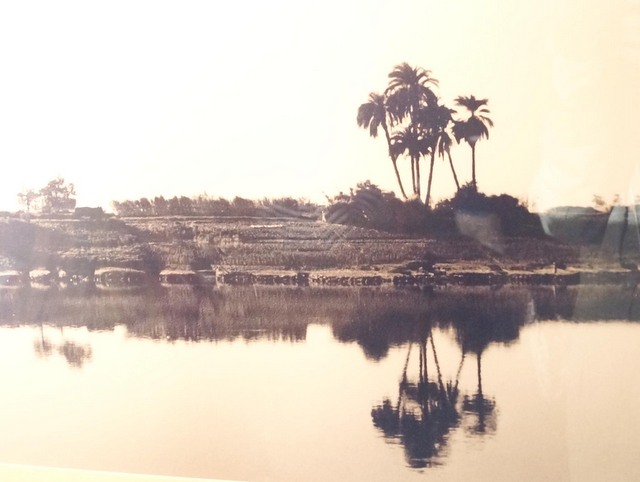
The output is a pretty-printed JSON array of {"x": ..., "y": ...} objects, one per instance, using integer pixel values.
[
  {"x": 435, "y": 119},
  {"x": 412, "y": 142},
  {"x": 474, "y": 128},
  {"x": 372, "y": 115},
  {"x": 409, "y": 90},
  {"x": 445, "y": 142}
]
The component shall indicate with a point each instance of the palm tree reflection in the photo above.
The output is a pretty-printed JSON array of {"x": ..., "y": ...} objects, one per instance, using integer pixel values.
[
  {"x": 474, "y": 332},
  {"x": 425, "y": 411},
  {"x": 483, "y": 408},
  {"x": 429, "y": 408},
  {"x": 42, "y": 345}
]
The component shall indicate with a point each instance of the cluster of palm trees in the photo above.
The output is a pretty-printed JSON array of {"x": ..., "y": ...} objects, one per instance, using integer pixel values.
[{"x": 417, "y": 125}]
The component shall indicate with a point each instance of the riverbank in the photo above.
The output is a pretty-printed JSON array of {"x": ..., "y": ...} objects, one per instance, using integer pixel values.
[{"x": 276, "y": 251}]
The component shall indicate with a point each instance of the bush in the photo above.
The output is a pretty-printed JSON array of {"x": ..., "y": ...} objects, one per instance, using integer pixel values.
[
  {"x": 368, "y": 206},
  {"x": 513, "y": 218}
]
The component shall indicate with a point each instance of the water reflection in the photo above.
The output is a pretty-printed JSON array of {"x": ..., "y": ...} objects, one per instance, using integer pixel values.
[
  {"x": 481, "y": 408},
  {"x": 375, "y": 319},
  {"x": 75, "y": 354},
  {"x": 429, "y": 408},
  {"x": 425, "y": 411},
  {"x": 439, "y": 335},
  {"x": 42, "y": 345}
]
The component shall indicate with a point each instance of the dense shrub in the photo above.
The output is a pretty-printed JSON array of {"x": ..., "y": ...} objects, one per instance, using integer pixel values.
[
  {"x": 369, "y": 207},
  {"x": 514, "y": 219}
]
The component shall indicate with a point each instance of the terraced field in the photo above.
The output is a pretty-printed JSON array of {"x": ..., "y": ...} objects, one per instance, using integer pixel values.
[{"x": 252, "y": 244}]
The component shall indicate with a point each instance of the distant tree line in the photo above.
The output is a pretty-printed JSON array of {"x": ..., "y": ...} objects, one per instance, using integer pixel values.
[{"x": 204, "y": 205}]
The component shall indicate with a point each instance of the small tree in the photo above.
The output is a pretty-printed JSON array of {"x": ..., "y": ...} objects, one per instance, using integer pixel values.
[
  {"x": 27, "y": 198},
  {"x": 57, "y": 196}
]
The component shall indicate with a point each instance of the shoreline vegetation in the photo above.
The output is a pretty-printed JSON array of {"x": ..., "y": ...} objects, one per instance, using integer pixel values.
[{"x": 471, "y": 239}]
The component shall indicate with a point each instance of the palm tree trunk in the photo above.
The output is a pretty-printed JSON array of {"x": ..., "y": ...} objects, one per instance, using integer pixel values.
[
  {"x": 395, "y": 168},
  {"x": 453, "y": 170},
  {"x": 473, "y": 167},
  {"x": 418, "y": 177},
  {"x": 394, "y": 160},
  {"x": 428, "y": 199},
  {"x": 413, "y": 174}
]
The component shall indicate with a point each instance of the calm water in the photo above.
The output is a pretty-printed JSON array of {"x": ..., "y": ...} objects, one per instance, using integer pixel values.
[{"x": 481, "y": 384}]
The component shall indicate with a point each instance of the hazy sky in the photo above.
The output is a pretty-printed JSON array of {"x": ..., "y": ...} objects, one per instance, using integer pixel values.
[{"x": 140, "y": 98}]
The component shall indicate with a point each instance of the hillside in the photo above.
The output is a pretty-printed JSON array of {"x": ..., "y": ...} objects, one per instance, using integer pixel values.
[{"x": 152, "y": 244}]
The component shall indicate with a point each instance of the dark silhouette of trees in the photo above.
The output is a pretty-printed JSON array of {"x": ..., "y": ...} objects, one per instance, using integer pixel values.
[
  {"x": 408, "y": 93},
  {"x": 373, "y": 114},
  {"x": 513, "y": 217},
  {"x": 368, "y": 206},
  {"x": 416, "y": 124},
  {"x": 474, "y": 128},
  {"x": 412, "y": 142},
  {"x": 435, "y": 119},
  {"x": 409, "y": 90}
]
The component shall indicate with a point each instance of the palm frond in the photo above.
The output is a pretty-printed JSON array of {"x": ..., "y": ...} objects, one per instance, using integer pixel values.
[
  {"x": 470, "y": 103},
  {"x": 372, "y": 114},
  {"x": 409, "y": 87},
  {"x": 486, "y": 120},
  {"x": 410, "y": 141},
  {"x": 398, "y": 105}
]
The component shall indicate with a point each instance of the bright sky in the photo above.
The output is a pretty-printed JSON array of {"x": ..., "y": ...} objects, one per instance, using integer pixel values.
[{"x": 140, "y": 98}]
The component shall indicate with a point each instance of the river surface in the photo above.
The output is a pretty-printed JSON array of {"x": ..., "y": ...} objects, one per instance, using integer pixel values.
[{"x": 313, "y": 384}]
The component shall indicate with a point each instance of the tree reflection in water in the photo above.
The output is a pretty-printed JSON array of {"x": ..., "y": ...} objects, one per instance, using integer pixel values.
[
  {"x": 425, "y": 410},
  {"x": 74, "y": 353},
  {"x": 42, "y": 345},
  {"x": 483, "y": 408},
  {"x": 428, "y": 409}
]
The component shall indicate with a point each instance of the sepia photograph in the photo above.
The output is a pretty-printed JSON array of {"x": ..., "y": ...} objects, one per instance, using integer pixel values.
[{"x": 308, "y": 241}]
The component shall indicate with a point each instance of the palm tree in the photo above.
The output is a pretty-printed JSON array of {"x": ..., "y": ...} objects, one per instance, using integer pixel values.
[
  {"x": 444, "y": 144},
  {"x": 474, "y": 128},
  {"x": 435, "y": 119},
  {"x": 373, "y": 114},
  {"x": 408, "y": 90},
  {"x": 412, "y": 142}
]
